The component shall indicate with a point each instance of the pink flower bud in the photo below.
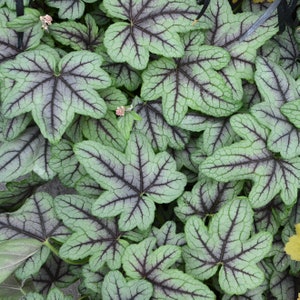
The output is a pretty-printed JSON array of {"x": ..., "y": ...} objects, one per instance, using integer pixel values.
[
  {"x": 120, "y": 111},
  {"x": 46, "y": 21}
]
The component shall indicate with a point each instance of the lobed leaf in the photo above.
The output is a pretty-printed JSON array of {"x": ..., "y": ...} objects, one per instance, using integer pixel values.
[
  {"x": 190, "y": 81},
  {"x": 77, "y": 35},
  {"x": 69, "y": 9},
  {"x": 277, "y": 88},
  {"x": 97, "y": 238},
  {"x": 141, "y": 262},
  {"x": 156, "y": 129},
  {"x": 206, "y": 198},
  {"x": 227, "y": 243},
  {"x": 134, "y": 181},
  {"x": 150, "y": 27},
  {"x": 54, "y": 91},
  {"x": 18, "y": 156},
  {"x": 251, "y": 159},
  {"x": 230, "y": 31},
  {"x": 115, "y": 287}
]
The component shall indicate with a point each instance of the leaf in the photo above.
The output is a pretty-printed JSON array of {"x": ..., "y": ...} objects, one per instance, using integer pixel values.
[
  {"x": 105, "y": 131},
  {"x": 134, "y": 181},
  {"x": 146, "y": 26},
  {"x": 17, "y": 157},
  {"x": 9, "y": 39},
  {"x": 40, "y": 87},
  {"x": 93, "y": 280},
  {"x": 251, "y": 159},
  {"x": 156, "y": 129},
  {"x": 277, "y": 88},
  {"x": 54, "y": 272},
  {"x": 64, "y": 162},
  {"x": 41, "y": 164},
  {"x": 283, "y": 285},
  {"x": 69, "y": 9},
  {"x": 29, "y": 19},
  {"x": 77, "y": 35},
  {"x": 115, "y": 287},
  {"x": 178, "y": 82},
  {"x": 141, "y": 262},
  {"x": 13, "y": 127},
  {"x": 206, "y": 198},
  {"x": 271, "y": 217},
  {"x": 228, "y": 30},
  {"x": 17, "y": 191},
  {"x": 122, "y": 74},
  {"x": 291, "y": 111},
  {"x": 13, "y": 289},
  {"x": 97, "y": 238},
  {"x": 35, "y": 219},
  {"x": 289, "y": 51},
  {"x": 166, "y": 235},
  {"x": 14, "y": 252},
  {"x": 227, "y": 242},
  {"x": 54, "y": 293}
]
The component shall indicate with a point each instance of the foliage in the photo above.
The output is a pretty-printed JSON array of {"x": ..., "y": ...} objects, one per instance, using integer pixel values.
[{"x": 173, "y": 146}]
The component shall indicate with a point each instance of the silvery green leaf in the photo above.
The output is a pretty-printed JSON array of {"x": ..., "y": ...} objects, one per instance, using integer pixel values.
[
  {"x": 206, "y": 198},
  {"x": 251, "y": 159},
  {"x": 228, "y": 30},
  {"x": 289, "y": 50},
  {"x": 291, "y": 111},
  {"x": 13, "y": 127},
  {"x": 116, "y": 287},
  {"x": 35, "y": 219},
  {"x": 76, "y": 35},
  {"x": 156, "y": 129},
  {"x": 141, "y": 262},
  {"x": 17, "y": 157},
  {"x": 64, "y": 162},
  {"x": 122, "y": 74},
  {"x": 105, "y": 131},
  {"x": 69, "y": 9},
  {"x": 191, "y": 81},
  {"x": 14, "y": 252},
  {"x": 134, "y": 181},
  {"x": 283, "y": 285},
  {"x": 277, "y": 88},
  {"x": 166, "y": 235},
  {"x": 40, "y": 82},
  {"x": 93, "y": 237},
  {"x": 147, "y": 26},
  {"x": 53, "y": 272},
  {"x": 227, "y": 240},
  {"x": 9, "y": 39}
]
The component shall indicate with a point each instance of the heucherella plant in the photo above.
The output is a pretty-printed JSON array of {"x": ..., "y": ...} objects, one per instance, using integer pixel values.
[{"x": 149, "y": 149}]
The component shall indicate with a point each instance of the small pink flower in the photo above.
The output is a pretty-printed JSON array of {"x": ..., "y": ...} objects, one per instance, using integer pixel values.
[
  {"x": 46, "y": 21},
  {"x": 120, "y": 111}
]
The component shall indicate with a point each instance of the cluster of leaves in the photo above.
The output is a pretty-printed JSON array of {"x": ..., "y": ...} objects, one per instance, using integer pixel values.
[{"x": 191, "y": 194}]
